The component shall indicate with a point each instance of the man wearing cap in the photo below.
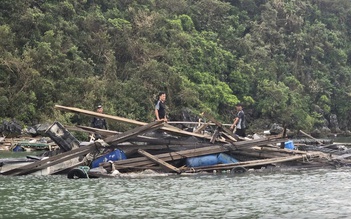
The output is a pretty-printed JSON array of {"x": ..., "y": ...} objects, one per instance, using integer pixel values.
[
  {"x": 97, "y": 122},
  {"x": 239, "y": 124}
]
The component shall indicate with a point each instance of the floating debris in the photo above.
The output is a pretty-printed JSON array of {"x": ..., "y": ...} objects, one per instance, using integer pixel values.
[{"x": 163, "y": 149}]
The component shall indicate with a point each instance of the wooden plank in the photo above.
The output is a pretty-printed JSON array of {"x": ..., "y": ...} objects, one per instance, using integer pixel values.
[
  {"x": 37, "y": 164},
  {"x": 142, "y": 161},
  {"x": 195, "y": 123},
  {"x": 201, "y": 127},
  {"x": 129, "y": 148},
  {"x": 167, "y": 127},
  {"x": 304, "y": 133},
  {"x": 138, "y": 138},
  {"x": 259, "y": 154},
  {"x": 229, "y": 138},
  {"x": 280, "y": 150},
  {"x": 214, "y": 136},
  {"x": 210, "y": 117},
  {"x": 80, "y": 151},
  {"x": 158, "y": 161},
  {"x": 249, "y": 163},
  {"x": 134, "y": 132},
  {"x": 256, "y": 142}
]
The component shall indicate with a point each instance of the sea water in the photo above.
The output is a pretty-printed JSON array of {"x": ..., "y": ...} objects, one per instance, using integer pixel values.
[{"x": 323, "y": 193}]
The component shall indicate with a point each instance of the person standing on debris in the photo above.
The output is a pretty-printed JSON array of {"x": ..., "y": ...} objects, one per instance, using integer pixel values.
[
  {"x": 239, "y": 124},
  {"x": 160, "y": 108},
  {"x": 99, "y": 123}
]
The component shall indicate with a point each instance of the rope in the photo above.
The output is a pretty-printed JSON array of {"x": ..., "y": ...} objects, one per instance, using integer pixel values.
[{"x": 86, "y": 173}]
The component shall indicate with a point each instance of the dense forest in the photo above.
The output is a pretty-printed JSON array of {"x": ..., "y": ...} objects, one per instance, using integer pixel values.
[{"x": 288, "y": 61}]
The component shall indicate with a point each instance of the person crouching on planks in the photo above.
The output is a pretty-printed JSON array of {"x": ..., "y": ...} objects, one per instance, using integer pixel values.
[{"x": 239, "y": 124}]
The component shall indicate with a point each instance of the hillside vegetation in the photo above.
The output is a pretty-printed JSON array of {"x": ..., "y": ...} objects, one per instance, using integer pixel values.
[{"x": 288, "y": 61}]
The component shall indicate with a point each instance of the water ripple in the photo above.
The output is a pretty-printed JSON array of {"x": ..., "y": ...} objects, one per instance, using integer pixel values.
[{"x": 304, "y": 194}]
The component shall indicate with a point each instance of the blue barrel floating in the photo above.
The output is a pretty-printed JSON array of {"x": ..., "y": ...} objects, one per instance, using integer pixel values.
[
  {"x": 289, "y": 145},
  {"x": 112, "y": 156},
  {"x": 225, "y": 158},
  {"x": 209, "y": 160},
  {"x": 200, "y": 161}
]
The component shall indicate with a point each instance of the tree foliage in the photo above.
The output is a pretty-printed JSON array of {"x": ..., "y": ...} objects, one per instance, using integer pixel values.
[{"x": 282, "y": 59}]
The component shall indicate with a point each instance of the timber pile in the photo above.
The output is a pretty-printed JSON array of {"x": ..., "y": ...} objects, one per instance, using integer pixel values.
[{"x": 165, "y": 148}]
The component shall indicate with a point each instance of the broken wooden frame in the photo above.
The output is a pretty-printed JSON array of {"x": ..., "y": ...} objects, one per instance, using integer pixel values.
[
  {"x": 60, "y": 158},
  {"x": 167, "y": 127}
]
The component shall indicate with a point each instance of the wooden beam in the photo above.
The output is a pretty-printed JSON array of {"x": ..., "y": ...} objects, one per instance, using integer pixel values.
[
  {"x": 210, "y": 117},
  {"x": 139, "y": 138},
  {"x": 37, "y": 165},
  {"x": 249, "y": 163},
  {"x": 30, "y": 168},
  {"x": 214, "y": 136},
  {"x": 142, "y": 161},
  {"x": 201, "y": 127},
  {"x": 167, "y": 127},
  {"x": 304, "y": 133},
  {"x": 158, "y": 161},
  {"x": 134, "y": 132},
  {"x": 256, "y": 142}
]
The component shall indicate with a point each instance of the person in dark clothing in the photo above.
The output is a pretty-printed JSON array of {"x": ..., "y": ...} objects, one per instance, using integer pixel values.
[
  {"x": 239, "y": 124},
  {"x": 160, "y": 107},
  {"x": 99, "y": 123}
]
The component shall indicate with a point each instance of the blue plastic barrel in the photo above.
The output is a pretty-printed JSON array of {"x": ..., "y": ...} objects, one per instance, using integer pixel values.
[
  {"x": 112, "y": 156},
  {"x": 225, "y": 158},
  {"x": 17, "y": 148},
  {"x": 289, "y": 145},
  {"x": 201, "y": 161},
  {"x": 209, "y": 160}
]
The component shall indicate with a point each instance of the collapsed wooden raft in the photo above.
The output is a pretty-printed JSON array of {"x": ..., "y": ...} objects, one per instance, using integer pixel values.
[{"x": 167, "y": 154}]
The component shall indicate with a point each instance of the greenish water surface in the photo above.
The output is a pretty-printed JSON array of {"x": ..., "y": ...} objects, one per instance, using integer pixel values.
[{"x": 299, "y": 194}]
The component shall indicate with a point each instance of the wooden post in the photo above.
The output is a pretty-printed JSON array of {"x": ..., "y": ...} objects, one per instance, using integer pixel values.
[{"x": 214, "y": 136}]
